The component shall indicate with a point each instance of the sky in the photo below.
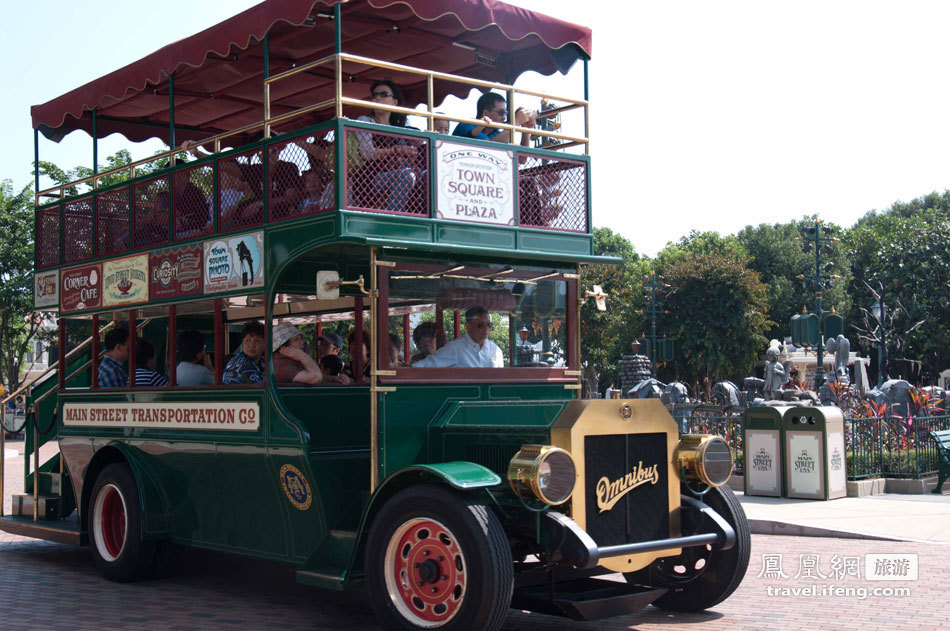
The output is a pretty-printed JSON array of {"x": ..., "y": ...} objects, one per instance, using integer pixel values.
[{"x": 704, "y": 115}]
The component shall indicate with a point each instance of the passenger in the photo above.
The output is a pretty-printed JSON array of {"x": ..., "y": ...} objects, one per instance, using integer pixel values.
[
  {"x": 363, "y": 353},
  {"x": 314, "y": 199},
  {"x": 195, "y": 367},
  {"x": 239, "y": 204},
  {"x": 112, "y": 372},
  {"x": 248, "y": 365},
  {"x": 387, "y": 160},
  {"x": 395, "y": 346},
  {"x": 472, "y": 350},
  {"x": 332, "y": 366},
  {"x": 145, "y": 374},
  {"x": 492, "y": 108},
  {"x": 293, "y": 364},
  {"x": 440, "y": 125},
  {"x": 329, "y": 344},
  {"x": 424, "y": 337}
]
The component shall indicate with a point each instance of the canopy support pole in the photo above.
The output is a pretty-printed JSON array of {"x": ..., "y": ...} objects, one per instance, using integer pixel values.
[
  {"x": 337, "y": 30},
  {"x": 95, "y": 141},
  {"x": 266, "y": 85},
  {"x": 36, "y": 162},
  {"x": 171, "y": 117}
]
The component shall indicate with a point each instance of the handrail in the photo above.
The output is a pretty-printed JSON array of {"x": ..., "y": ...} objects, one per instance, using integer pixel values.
[
  {"x": 35, "y": 411},
  {"x": 55, "y": 364},
  {"x": 58, "y": 192}
]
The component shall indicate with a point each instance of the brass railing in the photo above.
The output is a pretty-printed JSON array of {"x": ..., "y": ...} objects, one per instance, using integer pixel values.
[{"x": 58, "y": 192}]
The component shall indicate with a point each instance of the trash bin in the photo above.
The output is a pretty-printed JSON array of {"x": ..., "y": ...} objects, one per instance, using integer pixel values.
[
  {"x": 762, "y": 450},
  {"x": 814, "y": 450}
]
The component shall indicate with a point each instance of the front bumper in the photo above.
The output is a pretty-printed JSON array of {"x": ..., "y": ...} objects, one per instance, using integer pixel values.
[{"x": 578, "y": 548}]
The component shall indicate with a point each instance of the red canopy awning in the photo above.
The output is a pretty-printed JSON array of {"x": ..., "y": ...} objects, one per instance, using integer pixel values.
[{"x": 219, "y": 72}]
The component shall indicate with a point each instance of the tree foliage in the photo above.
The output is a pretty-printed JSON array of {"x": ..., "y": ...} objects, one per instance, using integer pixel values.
[
  {"x": 778, "y": 258},
  {"x": 17, "y": 325},
  {"x": 606, "y": 335},
  {"x": 907, "y": 251},
  {"x": 717, "y": 315}
]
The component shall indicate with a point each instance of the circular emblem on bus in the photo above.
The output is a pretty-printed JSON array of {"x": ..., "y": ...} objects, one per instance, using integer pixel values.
[
  {"x": 295, "y": 487},
  {"x": 626, "y": 412}
]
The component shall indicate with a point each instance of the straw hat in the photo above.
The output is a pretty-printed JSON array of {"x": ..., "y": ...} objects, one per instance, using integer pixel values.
[{"x": 283, "y": 333}]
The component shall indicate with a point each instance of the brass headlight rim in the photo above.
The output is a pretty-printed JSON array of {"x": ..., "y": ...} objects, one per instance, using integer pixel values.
[
  {"x": 695, "y": 462},
  {"x": 531, "y": 480}
]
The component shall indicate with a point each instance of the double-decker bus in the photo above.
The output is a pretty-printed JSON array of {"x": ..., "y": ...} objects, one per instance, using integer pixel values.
[{"x": 452, "y": 466}]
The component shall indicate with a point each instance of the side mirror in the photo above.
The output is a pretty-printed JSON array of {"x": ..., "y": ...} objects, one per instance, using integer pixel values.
[{"x": 328, "y": 285}]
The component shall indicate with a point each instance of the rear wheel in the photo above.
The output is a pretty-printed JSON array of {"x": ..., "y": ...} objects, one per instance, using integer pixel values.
[
  {"x": 701, "y": 576},
  {"x": 437, "y": 560},
  {"x": 115, "y": 526}
]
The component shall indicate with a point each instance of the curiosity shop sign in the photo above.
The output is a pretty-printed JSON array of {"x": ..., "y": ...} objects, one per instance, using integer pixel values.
[
  {"x": 241, "y": 416},
  {"x": 475, "y": 184}
]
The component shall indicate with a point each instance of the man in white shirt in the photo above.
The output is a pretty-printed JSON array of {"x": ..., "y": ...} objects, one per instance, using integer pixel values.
[{"x": 472, "y": 350}]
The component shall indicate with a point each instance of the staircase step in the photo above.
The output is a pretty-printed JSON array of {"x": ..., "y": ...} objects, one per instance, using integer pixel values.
[
  {"x": 49, "y": 505},
  {"x": 51, "y": 483}
]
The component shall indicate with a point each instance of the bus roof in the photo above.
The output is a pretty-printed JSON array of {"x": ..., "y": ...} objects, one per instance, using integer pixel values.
[{"x": 218, "y": 73}]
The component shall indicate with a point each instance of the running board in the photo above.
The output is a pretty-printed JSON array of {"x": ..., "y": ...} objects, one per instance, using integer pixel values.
[{"x": 61, "y": 530}]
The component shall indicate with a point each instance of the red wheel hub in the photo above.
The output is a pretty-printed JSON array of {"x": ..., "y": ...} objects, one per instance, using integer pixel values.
[
  {"x": 113, "y": 521},
  {"x": 429, "y": 570}
]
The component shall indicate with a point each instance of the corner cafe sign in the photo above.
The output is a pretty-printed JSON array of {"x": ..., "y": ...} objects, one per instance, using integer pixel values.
[{"x": 241, "y": 416}]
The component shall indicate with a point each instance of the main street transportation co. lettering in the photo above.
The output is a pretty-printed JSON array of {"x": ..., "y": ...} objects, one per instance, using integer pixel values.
[{"x": 243, "y": 416}]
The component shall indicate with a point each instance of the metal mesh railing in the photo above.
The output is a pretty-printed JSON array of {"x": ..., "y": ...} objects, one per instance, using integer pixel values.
[
  {"x": 112, "y": 222},
  {"x": 47, "y": 237},
  {"x": 150, "y": 213},
  {"x": 387, "y": 172},
  {"x": 552, "y": 193},
  {"x": 193, "y": 191},
  {"x": 77, "y": 226},
  {"x": 301, "y": 176},
  {"x": 241, "y": 190}
]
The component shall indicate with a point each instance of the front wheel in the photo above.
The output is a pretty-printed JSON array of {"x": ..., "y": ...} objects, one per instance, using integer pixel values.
[
  {"x": 437, "y": 560},
  {"x": 702, "y": 577},
  {"x": 115, "y": 526}
]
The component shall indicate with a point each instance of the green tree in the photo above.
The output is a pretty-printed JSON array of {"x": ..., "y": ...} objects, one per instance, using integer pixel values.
[
  {"x": 18, "y": 325},
  {"x": 907, "y": 250},
  {"x": 778, "y": 258},
  {"x": 606, "y": 335},
  {"x": 717, "y": 316}
]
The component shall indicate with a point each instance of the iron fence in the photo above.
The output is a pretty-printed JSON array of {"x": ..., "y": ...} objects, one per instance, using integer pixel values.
[{"x": 879, "y": 446}]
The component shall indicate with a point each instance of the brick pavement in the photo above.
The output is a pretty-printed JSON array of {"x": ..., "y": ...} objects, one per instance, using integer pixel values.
[{"x": 215, "y": 591}]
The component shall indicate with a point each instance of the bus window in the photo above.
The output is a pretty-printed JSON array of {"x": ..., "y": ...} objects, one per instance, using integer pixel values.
[{"x": 476, "y": 317}]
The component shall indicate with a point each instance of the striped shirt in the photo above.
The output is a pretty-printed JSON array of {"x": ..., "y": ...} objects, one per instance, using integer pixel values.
[{"x": 148, "y": 377}]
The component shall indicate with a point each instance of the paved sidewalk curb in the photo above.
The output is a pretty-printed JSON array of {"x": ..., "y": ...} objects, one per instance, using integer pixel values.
[{"x": 767, "y": 527}]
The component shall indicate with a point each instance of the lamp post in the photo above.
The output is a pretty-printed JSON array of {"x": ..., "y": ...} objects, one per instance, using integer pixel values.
[
  {"x": 818, "y": 237},
  {"x": 879, "y": 311}
]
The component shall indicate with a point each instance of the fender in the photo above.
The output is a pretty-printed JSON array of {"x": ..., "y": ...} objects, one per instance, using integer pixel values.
[
  {"x": 152, "y": 503},
  {"x": 461, "y": 475}
]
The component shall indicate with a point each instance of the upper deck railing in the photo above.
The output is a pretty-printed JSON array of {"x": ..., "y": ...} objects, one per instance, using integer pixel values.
[{"x": 339, "y": 164}]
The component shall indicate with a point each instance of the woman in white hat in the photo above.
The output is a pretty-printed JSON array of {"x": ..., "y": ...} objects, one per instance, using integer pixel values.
[{"x": 292, "y": 364}]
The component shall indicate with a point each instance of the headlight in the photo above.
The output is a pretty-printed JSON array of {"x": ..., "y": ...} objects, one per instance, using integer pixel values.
[
  {"x": 546, "y": 472},
  {"x": 707, "y": 458}
]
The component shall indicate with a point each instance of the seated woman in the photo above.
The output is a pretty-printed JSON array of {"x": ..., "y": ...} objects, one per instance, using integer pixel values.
[
  {"x": 428, "y": 338},
  {"x": 293, "y": 365},
  {"x": 387, "y": 160},
  {"x": 395, "y": 346}
]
